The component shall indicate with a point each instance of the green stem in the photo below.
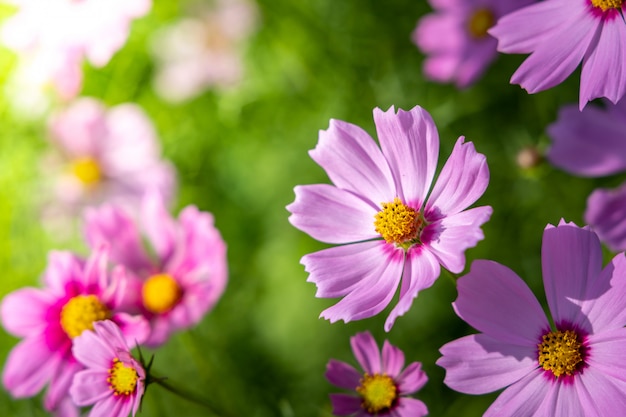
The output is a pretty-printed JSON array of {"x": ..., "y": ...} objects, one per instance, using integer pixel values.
[{"x": 186, "y": 395}]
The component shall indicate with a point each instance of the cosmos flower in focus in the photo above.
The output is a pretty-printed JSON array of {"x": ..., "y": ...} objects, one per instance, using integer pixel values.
[
  {"x": 76, "y": 294},
  {"x": 382, "y": 390},
  {"x": 568, "y": 366},
  {"x": 203, "y": 51},
  {"x": 57, "y": 35},
  {"x": 183, "y": 273},
  {"x": 455, "y": 38},
  {"x": 390, "y": 234},
  {"x": 113, "y": 381},
  {"x": 559, "y": 35}
]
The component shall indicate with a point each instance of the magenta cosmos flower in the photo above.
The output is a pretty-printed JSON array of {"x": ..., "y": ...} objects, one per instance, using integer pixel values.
[
  {"x": 107, "y": 155},
  {"x": 569, "y": 368},
  {"x": 187, "y": 273},
  {"x": 113, "y": 381},
  {"x": 559, "y": 34},
  {"x": 389, "y": 231},
  {"x": 383, "y": 389},
  {"x": 76, "y": 295},
  {"x": 455, "y": 38}
]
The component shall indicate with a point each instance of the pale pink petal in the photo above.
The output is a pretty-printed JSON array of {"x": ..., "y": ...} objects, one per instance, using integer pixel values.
[
  {"x": 606, "y": 353},
  {"x": 112, "y": 406},
  {"x": 135, "y": 329},
  {"x": 95, "y": 352},
  {"x": 89, "y": 387},
  {"x": 31, "y": 364},
  {"x": 354, "y": 162},
  {"x": 80, "y": 128},
  {"x": 366, "y": 352},
  {"x": 600, "y": 394},
  {"x": 409, "y": 407},
  {"x": 58, "y": 389},
  {"x": 332, "y": 215},
  {"x": 524, "y": 398},
  {"x": 411, "y": 379},
  {"x": 428, "y": 33},
  {"x": 62, "y": 268},
  {"x": 606, "y": 214},
  {"x": 345, "y": 405},
  {"x": 24, "y": 311},
  {"x": 494, "y": 300},
  {"x": 393, "y": 360},
  {"x": 563, "y": 401},
  {"x": 159, "y": 225},
  {"x": 95, "y": 277},
  {"x": 478, "y": 364},
  {"x": 342, "y": 375},
  {"x": 410, "y": 143}
]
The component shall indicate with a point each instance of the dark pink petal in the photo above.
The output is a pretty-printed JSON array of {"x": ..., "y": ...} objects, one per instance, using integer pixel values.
[
  {"x": 606, "y": 353},
  {"x": 606, "y": 214},
  {"x": 354, "y": 162},
  {"x": 478, "y": 364},
  {"x": 24, "y": 311},
  {"x": 30, "y": 365},
  {"x": 159, "y": 226},
  {"x": 421, "y": 269},
  {"x": 96, "y": 277},
  {"x": 410, "y": 143},
  {"x": 600, "y": 394},
  {"x": 63, "y": 268},
  {"x": 494, "y": 300},
  {"x": 67, "y": 408},
  {"x": 59, "y": 387},
  {"x": 524, "y": 398},
  {"x": 463, "y": 179},
  {"x": 332, "y": 215},
  {"x": 604, "y": 67},
  {"x": 135, "y": 329},
  {"x": 409, "y": 407},
  {"x": 89, "y": 387},
  {"x": 345, "y": 405},
  {"x": 366, "y": 352},
  {"x": 342, "y": 375},
  {"x": 412, "y": 379},
  {"x": 571, "y": 259},
  {"x": 393, "y": 360}
]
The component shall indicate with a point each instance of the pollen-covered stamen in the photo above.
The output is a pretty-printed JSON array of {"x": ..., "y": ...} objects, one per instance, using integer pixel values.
[
  {"x": 480, "y": 22},
  {"x": 122, "y": 379},
  {"x": 87, "y": 170},
  {"x": 80, "y": 312},
  {"x": 398, "y": 223},
  {"x": 561, "y": 352},
  {"x": 160, "y": 293},
  {"x": 607, "y": 4},
  {"x": 378, "y": 392}
]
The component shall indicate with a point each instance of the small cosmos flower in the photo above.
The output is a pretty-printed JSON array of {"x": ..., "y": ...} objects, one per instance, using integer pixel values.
[
  {"x": 379, "y": 213},
  {"x": 76, "y": 294},
  {"x": 113, "y": 381},
  {"x": 382, "y": 390},
  {"x": 568, "y": 366},
  {"x": 182, "y": 275},
  {"x": 559, "y": 35}
]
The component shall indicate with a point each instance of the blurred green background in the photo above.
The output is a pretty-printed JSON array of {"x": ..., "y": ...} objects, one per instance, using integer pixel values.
[{"x": 262, "y": 351}]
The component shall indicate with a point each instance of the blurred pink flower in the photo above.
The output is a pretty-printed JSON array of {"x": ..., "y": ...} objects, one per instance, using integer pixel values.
[
  {"x": 393, "y": 230},
  {"x": 203, "y": 51},
  {"x": 559, "y": 35},
  {"x": 188, "y": 272},
  {"x": 76, "y": 294},
  {"x": 455, "y": 38},
  {"x": 107, "y": 155},
  {"x": 383, "y": 389},
  {"x": 57, "y": 35},
  {"x": 606, "y": 214},
  {"x": 113, "y": 381}
]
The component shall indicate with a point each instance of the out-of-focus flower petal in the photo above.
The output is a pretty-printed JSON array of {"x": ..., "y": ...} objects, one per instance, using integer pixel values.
[{"x": 606, "y": 214}]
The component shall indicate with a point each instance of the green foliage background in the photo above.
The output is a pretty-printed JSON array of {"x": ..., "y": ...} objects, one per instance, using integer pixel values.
[{"x": 262, "y": 351}]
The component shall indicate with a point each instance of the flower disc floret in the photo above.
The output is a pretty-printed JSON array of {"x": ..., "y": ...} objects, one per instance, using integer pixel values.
[
  {"x": 87, "y": 170},
  {"x": 397, "y": 222},
  {"x": 480, "y": 22},
  {"x": 378, "y": 392},
  {"x": 160, "y": 293},
  {"x": 607, "y": 4},
  {"x": 80, "y": 312},
  {"x": 561, "y": 352},
  {"x": 122, "y": 379}
]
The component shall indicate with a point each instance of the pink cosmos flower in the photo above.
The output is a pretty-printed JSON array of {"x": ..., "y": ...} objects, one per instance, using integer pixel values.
[
  {"x": 76, "y": 294},
  {"x": 58, "y": 34},
  {"x": 559, "y": 34},
  {"x": 378, "y": 211},
  {"x": 107, "y": 155},
  {"x": 383, "y": 389},
  {"x": 606, "y": 214},
  {"x": 184, "y": 279},
  {"x": 569, "y": 368},
  {"x": 455, "y": 38},
  {"x": 114, "y": 381},
  {"x": 203, "y": 51}
]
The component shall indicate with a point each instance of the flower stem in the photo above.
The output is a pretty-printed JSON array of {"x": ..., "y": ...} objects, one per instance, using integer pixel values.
[{"x": 187, "y": 396}]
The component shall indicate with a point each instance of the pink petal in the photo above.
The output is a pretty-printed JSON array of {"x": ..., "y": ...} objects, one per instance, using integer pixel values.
[
  {"x": 135, "y": 329},
  {"x": 366, "y": 352},
  {"x": 606, "y": 214},
  {"x": 524, "y": 398},
  {"x": 393, "y": 360},
  {"x": 412, "y": 379},
  {"x": 562, "y": 401},
  {"x": 428, "y": 33},
  {"x": 96, "y": 277},
  {"x": 332, "y": 215},
  {"x": 342, "y": 375},
  {"x": 63, "y": 267},
  {"x": 159, "y": 226},
  {"x": 345, "y": 405},
  {"x": 478, "y": 364},
  {"x": 600, "y": 394},
  {"x": 59, "y": 387},
  {"x": 606, "y": 353},
  {"x": 90, "y": 386},
  {"x": 409, "y": 407},
  {"x": 410, "y": 143},
  {"x": 24, "y": 311},
  {"x": 112, "y": 406},
  {"x": 30, "y": 365},
  {"x": 353, "y": 162},
  {"x": 494, "y": 300},
  {"x": 93, "y": 351}
]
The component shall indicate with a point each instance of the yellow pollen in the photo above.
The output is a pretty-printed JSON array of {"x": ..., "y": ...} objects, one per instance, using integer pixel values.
[
  {"x": 80, "y": 312},
  {"x": 378, "y": 392},
  {"x": 607, "y": 4},
  {"x": 397, "y": 223},
  {"x": 560, "y": 352},
  {"x": 122, "y": 379},
  {"x": 160, "y": 293},
  {"x": 480, "y": 22},
  {"x": 87, "y": 171}
]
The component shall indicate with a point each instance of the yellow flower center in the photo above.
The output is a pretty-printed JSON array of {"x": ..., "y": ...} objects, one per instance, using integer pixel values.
[
  {"x": 607, "y": 4},
  {"x": 480, "y": 22},
  {"x": 398, "y": 223},
  {"x": 561, "y": 352},
  {"x": 160, "y": 293},
  {"x": 80, "y": 312},
  {"x": 87, "y": 171},
  {"x": 378, "y": 392},
  {"x": 122, "y": 379}
]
